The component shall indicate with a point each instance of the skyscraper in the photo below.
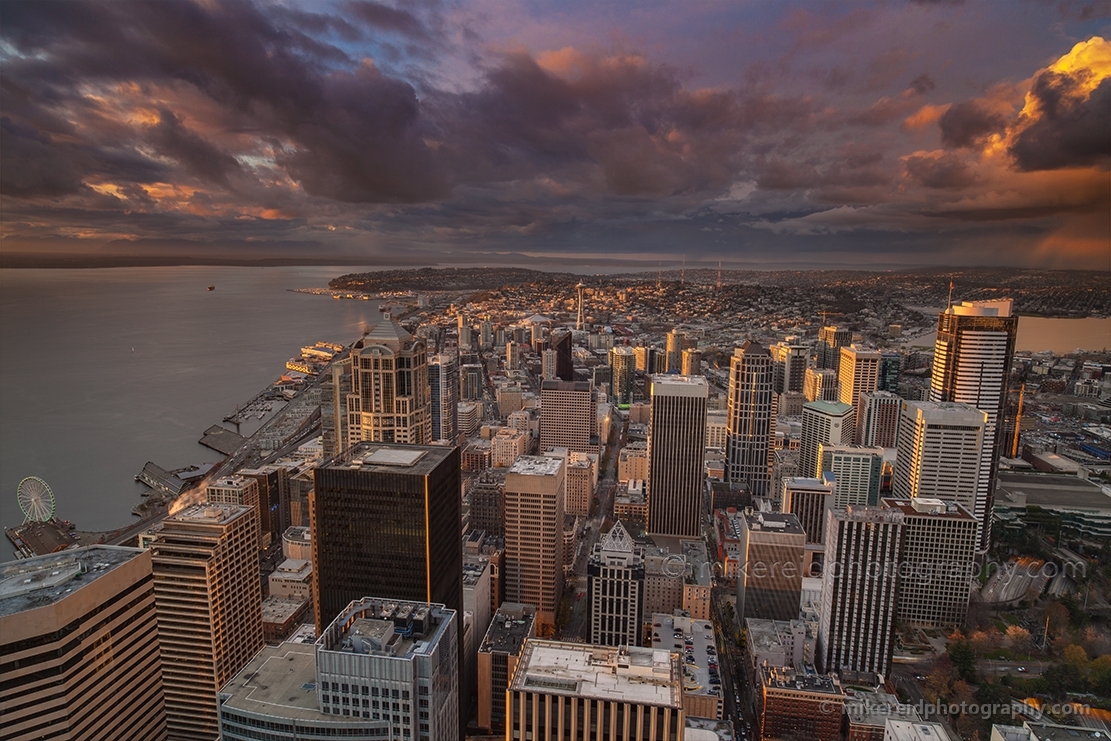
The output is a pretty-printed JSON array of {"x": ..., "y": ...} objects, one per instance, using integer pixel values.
[
  {"x": 830, "y": 341},
  {"x": 512, "y": 356},
  {"x": 390, "y": 397},
  {"x": 770, "y": 568},
  {"x": 857, "y": 472},
  {"x": 877, "y": 419},
  {"x": 471, "y": 382},
  {"x": 564, "y": 365},
  {"x": 569, "y": 416},
  {"x": 334, "y": 418},
  {"x": 750, "y": 414},
  {"x": 615, "y": 589},
  {"x": 385, "y": 521},
  {"x": 691, "y": 364},
  {"x": 823, "y": 423},
  {"x": 676, "y": 450},
  {"x": 208, "y": 600},
  {"x": 241, "y": 490},
  {"x": 939, "y": 550},
  {"x": 790, "y": 366},
  {"x": 972, "y": 364},
  {"x": 810, "y": 500},
  {"x": 860, "y": 585},
  {"x": 891, "y": 364},
  {"x": 940, "y": 454},
  {"x": 858, "y": 372},
  {"x": 623, "y": 375},
  {"x": 443, "y": 385},
  {"x": 80, "y": 646},
  {"x": 535, "y": 488},
  {"x": 674, "y": 351},
  {"x": 820, "y": 384}
]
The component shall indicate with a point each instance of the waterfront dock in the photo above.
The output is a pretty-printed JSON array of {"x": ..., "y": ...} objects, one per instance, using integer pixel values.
[{"x": 222, "y": 440}]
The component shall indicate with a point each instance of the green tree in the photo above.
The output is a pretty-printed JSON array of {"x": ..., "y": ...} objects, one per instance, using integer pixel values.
[{"x": 964, "y": 660}]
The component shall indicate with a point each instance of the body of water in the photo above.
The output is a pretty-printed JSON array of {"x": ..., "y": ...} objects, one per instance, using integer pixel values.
[{"x": 107, "y": 369}]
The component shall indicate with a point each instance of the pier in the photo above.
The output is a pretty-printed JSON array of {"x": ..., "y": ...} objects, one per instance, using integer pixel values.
[{"x": 222, "y": 440}]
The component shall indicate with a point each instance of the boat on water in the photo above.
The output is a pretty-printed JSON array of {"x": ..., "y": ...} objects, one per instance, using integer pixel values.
[{"x": 212, "y": 288}]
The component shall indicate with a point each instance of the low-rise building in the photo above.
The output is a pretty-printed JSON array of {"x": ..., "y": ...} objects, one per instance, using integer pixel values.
[
  {"x": 868, "y": 714},
  {"x": 799, "y": 703},
  {"x": 630, "y": 502},
  {"x": 297, "y": 543},
  {"x": 292, "y": 579},
  {"x": 282, "y": 615}
]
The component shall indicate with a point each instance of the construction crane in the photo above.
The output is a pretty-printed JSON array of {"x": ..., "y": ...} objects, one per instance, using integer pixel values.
[{"x": 826, "y": 314}]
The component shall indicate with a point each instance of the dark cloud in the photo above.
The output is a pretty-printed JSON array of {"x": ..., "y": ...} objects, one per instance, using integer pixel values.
[
  {"x": 1073, "y": 127},
  {"x": 947, "y": 171},
  {"x": 968, "y": 123},
  {"x": 923, "y": 84},
  {"x": 385, "y": 18},
  {"x": 198, "y": 156}
]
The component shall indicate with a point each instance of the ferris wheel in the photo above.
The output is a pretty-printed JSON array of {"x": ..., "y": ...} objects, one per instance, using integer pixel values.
[{"x": 35, "y": 499}]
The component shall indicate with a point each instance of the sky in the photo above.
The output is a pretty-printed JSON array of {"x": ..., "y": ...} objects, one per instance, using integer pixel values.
[{"x": 754, "y": 132}]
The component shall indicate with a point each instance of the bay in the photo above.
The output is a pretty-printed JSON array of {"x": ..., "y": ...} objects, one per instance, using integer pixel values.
[{"x": 106, "y": 369}]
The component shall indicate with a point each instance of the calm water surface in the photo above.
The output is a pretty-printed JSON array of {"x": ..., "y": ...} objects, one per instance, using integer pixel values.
[{"x": 106, "y": 369}]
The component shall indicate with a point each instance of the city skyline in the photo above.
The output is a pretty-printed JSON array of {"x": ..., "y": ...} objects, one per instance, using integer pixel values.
[{"x": 874, "y": 134}]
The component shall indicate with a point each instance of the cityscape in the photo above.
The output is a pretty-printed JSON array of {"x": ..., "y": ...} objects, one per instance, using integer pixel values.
[{"x": 602, "y": 372}]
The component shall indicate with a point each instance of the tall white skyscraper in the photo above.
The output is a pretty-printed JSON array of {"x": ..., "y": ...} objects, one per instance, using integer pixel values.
[
  {"x": 858, "y": 372},
  {"x": 676, "y": 450},
  {"x": 443, "y": 383},
  {"x": 860, "y": 585},
  {"x": 972, "y": 362},
  {"x": 750, "y": 414},
  {"x": 940, "y": 454},
  {"x": 823, "y": 423}
]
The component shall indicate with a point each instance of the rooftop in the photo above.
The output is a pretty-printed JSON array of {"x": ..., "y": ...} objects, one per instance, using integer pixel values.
[
  {"x": 695, "y": 643},
  {"x": 919, "y": 506},
  {"x": 418, "y": 460},
  {"x": 473, "y": 568},
  {"x": 279, "y": 681},
  {"x": 386, "y": 628},
  {"x": 511, "y": 625},
  {"x": 1052, "y": 490},
  {"x": 207, "y": 512},
  {"x": 280, "y": 609},
  {"x": 874, "y": 708},
  {"x": 36, "y": 582},
  {"x": 806, "y": 680},
  {"x": 779, "y": 522},
  {"x": 641, "y": 676},
  {"x": 827, "y": 407},
  {"x": 536, "y": 465},
  {"x": 907, "y": 730}
]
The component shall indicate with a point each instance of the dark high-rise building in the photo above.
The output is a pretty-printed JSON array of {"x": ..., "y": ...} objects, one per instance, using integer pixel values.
[
  {"x": 488, "y": 503},
  {"x": 790, "y": 366},
  {"x": 891, "y": 364},
  {"x": 564, "y": 367},
  {"x": 769, "y": 577},
  {"x": 471, "y": 380},
  {"x": 443, "y": 382},
  {"x": 385, "y": 521},
  {"x": 623, "y": 368},
  {"x": 972, "y": 364},
  {"x": 749, "y": 423},
  {"x": 676, "y": 455}
]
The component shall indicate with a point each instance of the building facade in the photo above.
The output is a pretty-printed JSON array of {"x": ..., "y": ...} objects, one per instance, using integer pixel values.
[
  {"x": 208, "y": 600},
  {"x": 823, "y": 423},
  {"x": 385, "y": 521},
  {"x": 857, "y": 473},
  {"x": 750, "y": 410},
  {"x": 860, "y": 584},
  {"x": 676, "y": 446},
  {"x": 770, "y": 568},
  {"x": 615, "y": 590},
  {"x": 80, "y": 644},
  {"x": 857, "y": 373},
  {"x": 443, "y": 386},
  {"x": 512, "y": 625},
  {"x": 972, "y": 364},
  {"x": 877, "y": 419},
  {"x": 535, "y": 494},
  {"x": 390, "y": 399},
  {"x": 623, "y": 368},
  {"x": 569, "y": 416}
]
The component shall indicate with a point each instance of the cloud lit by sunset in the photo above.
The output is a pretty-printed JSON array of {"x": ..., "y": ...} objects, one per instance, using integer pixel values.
[{"x": 903, "y": 133}]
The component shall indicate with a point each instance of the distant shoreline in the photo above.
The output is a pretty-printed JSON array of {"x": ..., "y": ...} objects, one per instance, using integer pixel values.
[{"x": 85, "y": 262}]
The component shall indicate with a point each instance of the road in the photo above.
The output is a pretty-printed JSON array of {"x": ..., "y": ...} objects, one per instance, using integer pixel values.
[{"x": 731, "y": 660}]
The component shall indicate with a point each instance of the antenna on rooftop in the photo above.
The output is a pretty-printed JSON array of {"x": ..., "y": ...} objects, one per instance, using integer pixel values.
[
  {"x": 719, "y": 275},
  {"x": 949, "y": 304}
]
